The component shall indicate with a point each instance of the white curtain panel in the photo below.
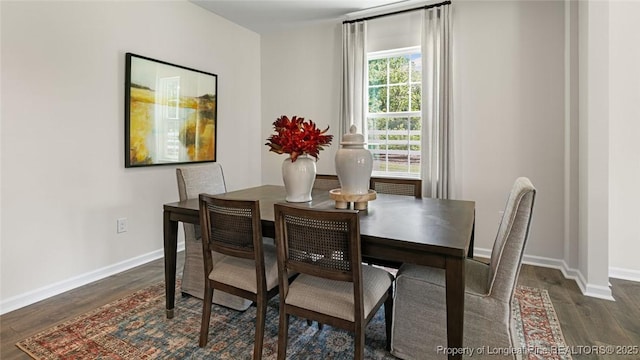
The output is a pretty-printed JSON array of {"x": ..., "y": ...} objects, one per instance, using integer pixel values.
[
  {"x": 354, "y": 77},
  {"x": 437, "y": 129}
]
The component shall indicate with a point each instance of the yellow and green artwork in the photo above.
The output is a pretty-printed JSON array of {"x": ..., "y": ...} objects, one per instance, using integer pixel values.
[{"x": 170, "y": 113}]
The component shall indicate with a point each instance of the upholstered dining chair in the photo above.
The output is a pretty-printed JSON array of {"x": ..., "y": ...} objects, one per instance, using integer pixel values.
[
  {"x": 397, "y": 186},
  {"x": 192, "y": 181},
  {"x": 248, "y": 268},
  {"x": 333, "y": 287},
  {"x": 419, "y": 308}
]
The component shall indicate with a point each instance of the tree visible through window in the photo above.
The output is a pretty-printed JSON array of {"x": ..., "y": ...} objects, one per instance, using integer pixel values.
[{"x": 394, "y": 118}]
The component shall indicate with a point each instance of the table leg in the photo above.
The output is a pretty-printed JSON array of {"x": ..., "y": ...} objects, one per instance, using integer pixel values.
[
  {"x": 170, "y": 254},
  {"x": 472, "y": 241},
  {"x": 455, "y": 285}
]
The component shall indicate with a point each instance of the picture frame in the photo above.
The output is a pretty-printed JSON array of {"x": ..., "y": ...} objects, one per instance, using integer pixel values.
[{"x": 170, "y": 113}]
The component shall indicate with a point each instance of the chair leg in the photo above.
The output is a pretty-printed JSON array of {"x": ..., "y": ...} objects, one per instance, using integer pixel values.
[
  {"x": 359, "y": 343},
  {"x": 261, "y": 313},
  {"x": 388, "y": 316},
  {"x": 283, "y": 333},
  {"x": 206, "y": 316}
]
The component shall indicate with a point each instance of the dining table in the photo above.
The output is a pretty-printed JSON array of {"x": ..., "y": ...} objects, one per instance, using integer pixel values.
[{"x": 393, "y": 228}]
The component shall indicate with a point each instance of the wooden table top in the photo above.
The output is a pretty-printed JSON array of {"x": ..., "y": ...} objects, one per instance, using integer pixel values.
[{"x": 429, "y": 225}]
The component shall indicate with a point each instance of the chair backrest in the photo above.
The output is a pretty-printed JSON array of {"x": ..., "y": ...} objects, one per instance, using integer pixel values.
[
  {"x": 233, "y": 228},
  {"x": 322, "y": 243},
  {"x": 195, "y": 180},
  {"x": 397, "y": 186},
  {"x": 326, "y": 182},
  {"x": 508, "y": 248}
]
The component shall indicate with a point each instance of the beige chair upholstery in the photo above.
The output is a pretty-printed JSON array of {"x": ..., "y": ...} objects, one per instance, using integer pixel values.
[
  {"x": 419, "y": 327},
  {"x": 246, "y": 267},
  {"x": 333, "y": 287},
  {"x": 192, "y": 181}
]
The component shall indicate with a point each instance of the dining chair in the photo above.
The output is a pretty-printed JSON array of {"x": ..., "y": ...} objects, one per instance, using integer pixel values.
[
  {"x": 333, "y": 287},
  {"x": 192, "y": 181},
  {"x": 420, "y": 310},
  {"x": 397, "y": 186},
  {"x": 248, "y": 267},
  {"x": 326, "y": 182}
]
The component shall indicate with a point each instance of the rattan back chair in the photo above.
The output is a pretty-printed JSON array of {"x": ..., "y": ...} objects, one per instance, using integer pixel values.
[
  {"x": 326, "y": 182},
  {"x": 333, "y": 287},
  {"x": 397, "y": 186},
  {"x": 248, "y": 267}
]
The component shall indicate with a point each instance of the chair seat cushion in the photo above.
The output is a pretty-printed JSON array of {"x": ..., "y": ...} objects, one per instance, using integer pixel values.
[
  {"x": 335, "y": 298},
  {"x": 241, "y": 273}
]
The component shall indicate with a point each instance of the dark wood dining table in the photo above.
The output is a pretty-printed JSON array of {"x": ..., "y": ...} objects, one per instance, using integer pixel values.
[{"x": 396, "y": 228}]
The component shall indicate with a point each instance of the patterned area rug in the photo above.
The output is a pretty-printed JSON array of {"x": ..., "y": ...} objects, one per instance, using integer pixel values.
[
  {"x": 538, "y": 326},
  {"x": 135, "y": 327}
]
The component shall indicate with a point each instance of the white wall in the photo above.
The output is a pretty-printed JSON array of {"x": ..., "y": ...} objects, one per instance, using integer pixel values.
[
  {"x": 301, "y": 76},
  {"x": 509, "y": 111},
  {"x": 62, "y": 169},
  {"x": 571, "y": 137},
  {"x": 593, "y": 65},
  {"x": 509, "y": 87},
  {"x": 624, "y": 157}
]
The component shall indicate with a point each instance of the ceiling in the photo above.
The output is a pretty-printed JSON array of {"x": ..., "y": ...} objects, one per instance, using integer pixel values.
[{"x": 264, "y": 16}]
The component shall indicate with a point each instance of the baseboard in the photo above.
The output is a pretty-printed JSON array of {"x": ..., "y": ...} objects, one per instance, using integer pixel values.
[
  {"x": 600, "y": 292},
  {"x": 48, "y": 291},
  {"x": 624, "y": 274}
]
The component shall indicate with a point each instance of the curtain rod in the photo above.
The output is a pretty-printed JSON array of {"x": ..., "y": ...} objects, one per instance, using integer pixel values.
[{"x": 397, "y": 12}]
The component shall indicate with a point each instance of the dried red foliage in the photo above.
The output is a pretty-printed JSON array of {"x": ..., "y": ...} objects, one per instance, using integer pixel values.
[{"x": 297, "y": 137}]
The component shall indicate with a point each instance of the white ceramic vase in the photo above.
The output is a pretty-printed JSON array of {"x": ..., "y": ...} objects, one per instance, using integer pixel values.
[
  {"x": 298, "y": 177},
  {"x": 354, "y": 164}
]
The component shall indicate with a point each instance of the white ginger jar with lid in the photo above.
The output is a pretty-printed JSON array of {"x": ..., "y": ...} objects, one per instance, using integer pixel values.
[{"x": 354, "y": 164}]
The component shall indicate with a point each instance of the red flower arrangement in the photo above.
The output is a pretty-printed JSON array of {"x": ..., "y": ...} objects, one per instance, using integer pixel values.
[{"x": 297, "y": 137}]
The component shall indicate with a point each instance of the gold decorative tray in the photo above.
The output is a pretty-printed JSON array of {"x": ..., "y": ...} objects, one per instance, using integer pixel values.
[{"x": 360, "y": 201}]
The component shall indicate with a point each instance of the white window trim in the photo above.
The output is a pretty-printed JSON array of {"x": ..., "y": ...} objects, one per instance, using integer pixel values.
[
  {"x": 382, "y": 55},
  {"x": 393, "y": 52}
]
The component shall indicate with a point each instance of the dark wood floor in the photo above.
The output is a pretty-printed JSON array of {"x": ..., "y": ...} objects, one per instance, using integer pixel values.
[{"x": 585, "y": 321}]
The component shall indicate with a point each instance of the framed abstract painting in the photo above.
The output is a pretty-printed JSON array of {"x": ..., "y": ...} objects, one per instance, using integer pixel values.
[{"x": 170, "y": 113}]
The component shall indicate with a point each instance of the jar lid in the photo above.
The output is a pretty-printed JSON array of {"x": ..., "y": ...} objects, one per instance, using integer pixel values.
[{"x": 352, "y": 137}]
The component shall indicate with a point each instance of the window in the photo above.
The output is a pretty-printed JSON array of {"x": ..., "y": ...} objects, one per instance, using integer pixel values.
[{"x": 394, "y": 118}]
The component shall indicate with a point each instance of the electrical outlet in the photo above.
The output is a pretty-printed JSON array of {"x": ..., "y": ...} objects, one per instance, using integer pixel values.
[{"x": 122, "y": 225}]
